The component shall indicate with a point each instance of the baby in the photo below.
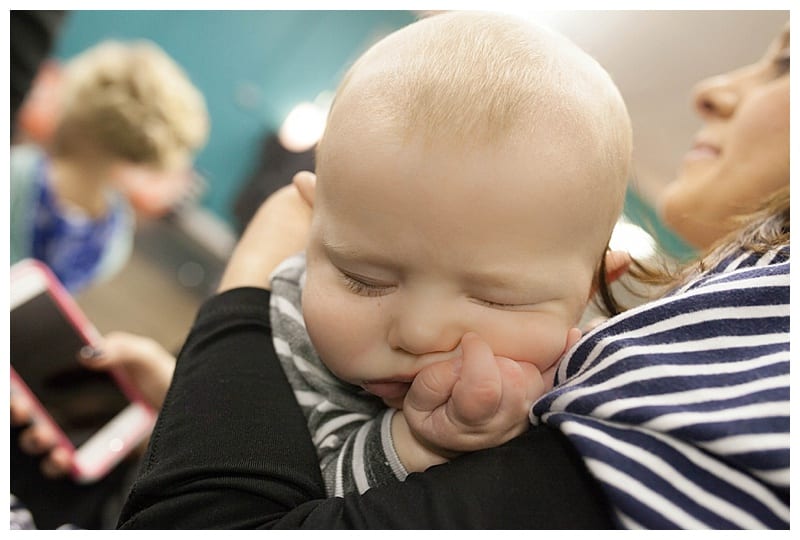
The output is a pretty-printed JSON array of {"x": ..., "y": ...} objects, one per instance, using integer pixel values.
[
  {"x": 130, "y": 122},
  {"x": 469, "y": 178}
]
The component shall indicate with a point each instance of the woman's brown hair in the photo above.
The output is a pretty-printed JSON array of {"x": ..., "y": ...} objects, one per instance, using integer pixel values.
[{"x": 760, "y": 231}]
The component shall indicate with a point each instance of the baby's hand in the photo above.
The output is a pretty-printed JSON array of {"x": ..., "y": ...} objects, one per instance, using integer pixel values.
[{"x": 477, "y": 401}]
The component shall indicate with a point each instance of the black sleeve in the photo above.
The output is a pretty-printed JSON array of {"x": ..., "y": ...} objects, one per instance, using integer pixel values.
[
  {"x": 33, "y": 34},
  {"x": 231, "y": 450}
]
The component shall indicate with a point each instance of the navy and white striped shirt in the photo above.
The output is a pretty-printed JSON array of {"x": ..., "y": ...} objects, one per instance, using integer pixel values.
[{"x": 680, "y": 407}]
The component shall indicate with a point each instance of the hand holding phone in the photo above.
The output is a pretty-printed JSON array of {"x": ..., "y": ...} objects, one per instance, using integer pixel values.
[{"x": 98, "y": 417}]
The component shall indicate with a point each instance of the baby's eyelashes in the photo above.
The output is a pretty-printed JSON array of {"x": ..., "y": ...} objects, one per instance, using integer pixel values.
[
  {"x": 363, "y": 286},
  {"x": 508, "y": 306}
]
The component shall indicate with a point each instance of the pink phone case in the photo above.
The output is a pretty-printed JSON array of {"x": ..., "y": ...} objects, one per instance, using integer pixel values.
[{"x": 85, "y": 472}]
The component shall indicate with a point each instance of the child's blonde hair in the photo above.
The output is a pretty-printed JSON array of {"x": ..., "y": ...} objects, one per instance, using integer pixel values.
[{"x": 133, "y": 102}]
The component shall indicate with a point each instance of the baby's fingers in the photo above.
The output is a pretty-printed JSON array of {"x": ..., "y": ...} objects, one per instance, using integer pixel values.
[{"x": 432, "y": 387}]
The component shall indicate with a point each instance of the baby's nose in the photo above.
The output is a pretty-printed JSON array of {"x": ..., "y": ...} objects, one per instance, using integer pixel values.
[{"x": 425, "y": 331}]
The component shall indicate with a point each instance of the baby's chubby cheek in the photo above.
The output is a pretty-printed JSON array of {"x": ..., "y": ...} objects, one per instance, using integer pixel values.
[
  {"x": 335, "y": 337},
  {"x": 321, "y": 324},
  {"x": 542, "y": 348}
]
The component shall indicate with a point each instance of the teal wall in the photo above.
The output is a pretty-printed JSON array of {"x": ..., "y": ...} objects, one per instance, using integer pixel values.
[
  {"x": 643, "y": 214},
  {"x": 252, "y": 67}
]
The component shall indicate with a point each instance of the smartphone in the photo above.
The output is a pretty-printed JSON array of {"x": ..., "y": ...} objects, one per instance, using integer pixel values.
[{"x": 98, "y": 416}]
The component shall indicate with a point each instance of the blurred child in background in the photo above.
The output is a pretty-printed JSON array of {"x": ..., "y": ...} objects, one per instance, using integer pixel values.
[{"x": 129, "y": 119}]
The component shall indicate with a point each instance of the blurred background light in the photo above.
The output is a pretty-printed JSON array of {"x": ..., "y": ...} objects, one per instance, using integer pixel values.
[
  {"x": 303, "y": 127},
  {"x": 633, "y": 239}
]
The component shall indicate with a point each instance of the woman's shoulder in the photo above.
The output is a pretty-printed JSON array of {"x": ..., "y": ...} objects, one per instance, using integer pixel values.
[
  {"x": 686, "y": 399},
  {"x": 748, "y": 258},
  {"x": 738, "y": 281},
  {"x": 741, "y": 266},
  {"x": 732, "y": 315}
]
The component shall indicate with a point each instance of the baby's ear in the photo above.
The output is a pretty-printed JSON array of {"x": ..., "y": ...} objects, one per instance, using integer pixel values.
[
  {"x": 617, "y": 263},
  {"x": 306, "y": 184}
]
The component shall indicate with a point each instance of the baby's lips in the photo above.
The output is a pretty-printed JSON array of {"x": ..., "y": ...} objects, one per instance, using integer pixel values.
[{"x": 387, "y": 389}]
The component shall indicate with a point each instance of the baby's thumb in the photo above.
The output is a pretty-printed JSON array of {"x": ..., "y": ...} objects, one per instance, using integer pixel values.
[{"x": 479, "y": 392}]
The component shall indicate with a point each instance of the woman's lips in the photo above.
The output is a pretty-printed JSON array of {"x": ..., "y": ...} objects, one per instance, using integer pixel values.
[{"x": 387, "y": 389}]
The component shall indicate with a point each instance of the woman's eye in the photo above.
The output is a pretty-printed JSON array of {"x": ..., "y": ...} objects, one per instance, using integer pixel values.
[{"x": 362, "y": 287}]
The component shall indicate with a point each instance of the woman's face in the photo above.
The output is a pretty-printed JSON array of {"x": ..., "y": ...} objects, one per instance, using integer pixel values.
[{"x": 740, "y": 155}]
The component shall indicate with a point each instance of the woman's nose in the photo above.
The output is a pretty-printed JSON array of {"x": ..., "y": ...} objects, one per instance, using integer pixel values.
[
  {"x": 423, "y": 328},
  {"x": 716, "y": 97}
]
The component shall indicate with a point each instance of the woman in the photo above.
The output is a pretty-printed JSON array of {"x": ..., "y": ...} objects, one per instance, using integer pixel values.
[
  {"x": 699, "y": 440},
  {"x": 739, "y": 156}
]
